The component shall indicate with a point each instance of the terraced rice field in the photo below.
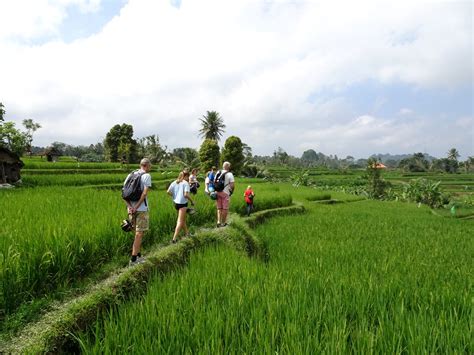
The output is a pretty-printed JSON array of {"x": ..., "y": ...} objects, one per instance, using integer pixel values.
[
  {"x": 348, "y": 275},
  {"x": 366, "y": 277}
]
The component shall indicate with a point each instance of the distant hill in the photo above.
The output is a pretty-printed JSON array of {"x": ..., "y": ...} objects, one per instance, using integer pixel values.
[{"x": 397, "y": 157}]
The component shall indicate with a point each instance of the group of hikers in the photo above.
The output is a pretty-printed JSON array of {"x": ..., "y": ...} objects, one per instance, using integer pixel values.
[{"x": 219, "y": 186}]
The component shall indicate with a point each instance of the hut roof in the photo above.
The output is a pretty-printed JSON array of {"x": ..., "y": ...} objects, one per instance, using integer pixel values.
[
  {"x": 7, "y": 156},
  {"x": 51, "y": 151}
]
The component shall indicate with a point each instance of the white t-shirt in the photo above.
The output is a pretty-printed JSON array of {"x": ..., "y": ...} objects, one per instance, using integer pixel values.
[
  {"x": 229, "y": 177},
  {"x": 145, "y": 180},
  {"x": 178, "y": 191}
]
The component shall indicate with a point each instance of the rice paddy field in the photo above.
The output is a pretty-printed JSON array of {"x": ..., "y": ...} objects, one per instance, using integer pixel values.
[{"x": 348, "y": 276}]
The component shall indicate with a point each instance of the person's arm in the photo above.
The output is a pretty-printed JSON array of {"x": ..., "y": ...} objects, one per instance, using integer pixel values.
[
  {"x": 140, "y": 201},
  {"x": 188, "y": 196}
]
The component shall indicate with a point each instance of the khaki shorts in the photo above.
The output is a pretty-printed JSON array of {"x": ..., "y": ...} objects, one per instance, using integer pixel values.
[{"x": 141, "y": 221}]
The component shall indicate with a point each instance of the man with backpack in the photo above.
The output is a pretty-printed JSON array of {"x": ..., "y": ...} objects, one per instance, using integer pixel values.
[
  {"x": 134, "y": 192},
  {"x": 224, "y": 186}
]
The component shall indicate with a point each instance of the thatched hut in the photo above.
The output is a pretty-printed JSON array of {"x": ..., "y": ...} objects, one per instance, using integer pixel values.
[
  {"x": 51, "y": 153},
  {"x": 10, "y": 166}
]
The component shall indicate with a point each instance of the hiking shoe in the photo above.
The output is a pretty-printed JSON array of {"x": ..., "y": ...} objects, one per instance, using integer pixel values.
[
  {"x": 140, "y": 260},
  {"x": 133, "y": 263},
  {"x": 173, "y": 241},
  {"x": 218, "y": 225},
  {"x": 191, "y": 211}
]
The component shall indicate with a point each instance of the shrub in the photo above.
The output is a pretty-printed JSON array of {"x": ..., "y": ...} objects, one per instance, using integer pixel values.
[
  {"x": 376, "y": 185},
  {"x": 424, "y": 191}
]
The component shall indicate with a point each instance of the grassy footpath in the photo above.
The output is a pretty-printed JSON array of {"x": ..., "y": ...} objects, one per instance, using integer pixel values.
[
  {"x": 365, "y": 277},
  {"x": 54, "y": 331}
]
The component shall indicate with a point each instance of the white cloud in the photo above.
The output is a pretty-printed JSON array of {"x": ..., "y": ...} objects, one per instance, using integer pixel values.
[
  {"x": 262, "y": 65},
  {"x": 405, "y": 111},
  {"x": 25, "y": 20}
]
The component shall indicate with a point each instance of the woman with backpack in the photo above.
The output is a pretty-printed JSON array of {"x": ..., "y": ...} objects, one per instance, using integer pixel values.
[
  {"x": 249, "y": 195},
  {"x": 180, "y": 191}
]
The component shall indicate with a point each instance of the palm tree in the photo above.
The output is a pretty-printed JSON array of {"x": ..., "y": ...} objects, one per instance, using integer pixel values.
[
  {"x": 453, "y": 154},
  {"x": 212, "y": 126}
]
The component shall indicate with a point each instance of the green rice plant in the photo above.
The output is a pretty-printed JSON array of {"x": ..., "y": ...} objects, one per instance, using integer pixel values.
[
  {"x": 31, "y": 163},
  {"x": 371, "y": 277},
  {"x": 50, "y": 237},
  {"x": 85, "y": 179}
]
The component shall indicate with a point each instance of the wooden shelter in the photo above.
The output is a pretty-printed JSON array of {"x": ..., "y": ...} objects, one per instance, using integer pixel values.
[
  {"x": 51, "y": 153},
  {"x": 10, "y": 166}
]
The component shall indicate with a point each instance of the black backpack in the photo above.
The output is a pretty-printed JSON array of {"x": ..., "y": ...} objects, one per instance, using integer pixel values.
[
  {"x": 132, "y": 190},
  {"x": 219, "y": 181}
]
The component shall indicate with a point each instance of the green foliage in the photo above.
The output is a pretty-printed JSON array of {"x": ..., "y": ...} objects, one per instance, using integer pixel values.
[
  {"x": 376, "y": 185},
  {"x": 453, "y": 154},
  {"x": 445, "y": 164},
  {"x": 233, "y": 153},
  {"x": 301, "y": 178},
  {"x": 424, "y": 191},
  {"x": 254, "y": 171},
  {"x": 12, "y": 138},
  {"x": 2, "y": 112},
  {"x": 281, "y": 156},
  {"x": 310, "y": 157},
  {"x": 119, "y": 144},
  {"x": 416, "y": 163},
  {"x": 31, "y": 127},
  {"x": 209, "y": 154},
  {"x": 151, "y": 148},
  {"x": 212, "y": 126},
  {"x": 186, "y": 157}
]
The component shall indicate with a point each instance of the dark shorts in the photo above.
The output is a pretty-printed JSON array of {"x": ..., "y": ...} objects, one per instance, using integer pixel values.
[{"x": 178, "y": 206}]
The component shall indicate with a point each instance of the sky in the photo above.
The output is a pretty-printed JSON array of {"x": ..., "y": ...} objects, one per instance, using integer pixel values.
[{"x": 340, "y": 77}]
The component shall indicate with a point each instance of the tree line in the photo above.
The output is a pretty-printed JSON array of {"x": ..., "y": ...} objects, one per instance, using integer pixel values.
[{"x": 120, "y": 145}]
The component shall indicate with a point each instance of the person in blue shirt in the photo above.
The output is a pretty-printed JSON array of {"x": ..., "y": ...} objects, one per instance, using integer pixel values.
[{"x": 210, "y": 180}]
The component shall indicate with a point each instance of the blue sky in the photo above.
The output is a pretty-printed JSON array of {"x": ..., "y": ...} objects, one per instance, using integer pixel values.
[
  {"x": 80, "y": 24},
  {"x": 345, "y": 78}
]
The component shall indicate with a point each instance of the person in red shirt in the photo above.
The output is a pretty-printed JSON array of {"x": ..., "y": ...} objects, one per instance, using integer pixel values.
[{"x": 249, "y": 195}]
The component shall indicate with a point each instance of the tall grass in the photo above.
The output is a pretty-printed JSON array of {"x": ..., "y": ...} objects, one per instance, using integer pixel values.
[
  {"x": 80, "y": 179},
  {"x": 371, "y": 277},
  {"x": 52, "y": 236}
]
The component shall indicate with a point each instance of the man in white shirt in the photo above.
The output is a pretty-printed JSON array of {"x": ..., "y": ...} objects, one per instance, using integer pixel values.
[
  {"x": 223, "y": 197},
  {"x": 139, "y": 210}
]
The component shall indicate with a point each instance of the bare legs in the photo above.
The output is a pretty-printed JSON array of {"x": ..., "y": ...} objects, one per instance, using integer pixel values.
[
  {"x": 181, "y": 223},
  {"x": 137, "y": 243},
  {"x": 222, "y": 216}
]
